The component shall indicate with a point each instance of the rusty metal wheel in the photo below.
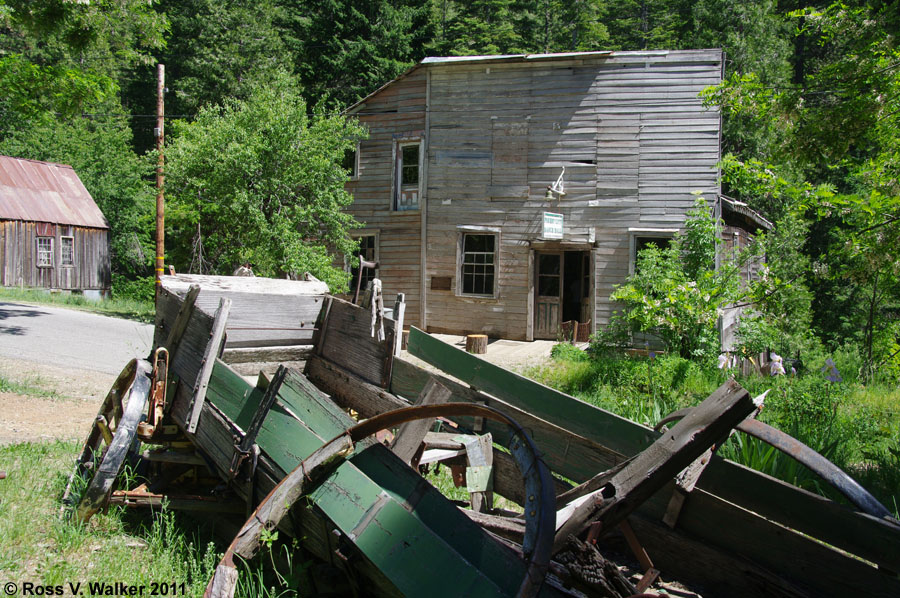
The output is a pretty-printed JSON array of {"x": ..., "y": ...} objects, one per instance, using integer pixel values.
[{"x": 112, "y": 437}]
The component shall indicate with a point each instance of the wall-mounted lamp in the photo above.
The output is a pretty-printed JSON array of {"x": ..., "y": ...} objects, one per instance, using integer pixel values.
[{"x": 556, "y": 188}]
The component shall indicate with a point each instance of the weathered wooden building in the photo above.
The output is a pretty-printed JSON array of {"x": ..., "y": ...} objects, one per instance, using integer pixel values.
[
  {"x": 52, "y": 234},
  {"x": 508, "y": 194}
]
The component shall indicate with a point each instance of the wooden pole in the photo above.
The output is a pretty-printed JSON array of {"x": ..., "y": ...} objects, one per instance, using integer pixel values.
[{"x": 160, "y": 177}]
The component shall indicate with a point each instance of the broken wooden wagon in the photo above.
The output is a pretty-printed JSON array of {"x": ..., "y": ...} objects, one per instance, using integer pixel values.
[{"x": 696, "y": 517}]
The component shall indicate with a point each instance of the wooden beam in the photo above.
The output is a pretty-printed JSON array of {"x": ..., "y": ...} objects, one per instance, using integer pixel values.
[
  {"x": 656, "y": 466},
  {"x": 181, "y": 320},
  {"x": 410, "y": 435},
  {"x": 213, "y": 348}
]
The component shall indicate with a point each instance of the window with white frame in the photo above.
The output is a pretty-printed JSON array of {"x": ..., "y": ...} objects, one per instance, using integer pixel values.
[
  {"x": 407, "y": 164},
  {"x": 368, "y": 249},
  {"x": 67, "y": 251},
  {"x": 478, "y": 264},
  {"x": 643, "y": 238},
  {"x": 44, "y": 252}
]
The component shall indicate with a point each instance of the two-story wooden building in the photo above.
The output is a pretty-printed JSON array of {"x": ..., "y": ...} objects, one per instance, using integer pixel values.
[{"x": 508, "y": 194}]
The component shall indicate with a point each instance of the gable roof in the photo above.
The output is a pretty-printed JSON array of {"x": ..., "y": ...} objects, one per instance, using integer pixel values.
[{"x": 46, "y": 192}]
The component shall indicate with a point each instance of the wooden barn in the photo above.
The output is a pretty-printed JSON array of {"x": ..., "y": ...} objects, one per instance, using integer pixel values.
[
  {"x": 52, "y": 234},
  {"x": 508, "y": 194}
]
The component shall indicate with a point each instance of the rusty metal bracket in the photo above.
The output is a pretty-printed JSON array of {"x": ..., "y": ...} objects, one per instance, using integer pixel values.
[
  {"x": 156, "y": 404},
  {"x": 828, "y": 471}
]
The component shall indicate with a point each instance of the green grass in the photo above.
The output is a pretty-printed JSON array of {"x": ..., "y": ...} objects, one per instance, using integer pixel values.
[
  {"x": 136, "y": 547},
  {"x": 856, "y": 426},
  {"x": 131, "y": 309},
  {"x": 32, "y": 386}
]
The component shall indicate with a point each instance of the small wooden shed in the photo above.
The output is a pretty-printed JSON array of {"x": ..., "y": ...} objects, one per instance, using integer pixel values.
[{"x": 52, "y": 234}]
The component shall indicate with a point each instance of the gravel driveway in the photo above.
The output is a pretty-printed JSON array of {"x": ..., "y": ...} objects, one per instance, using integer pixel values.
[{"x": 68, "y": 360}]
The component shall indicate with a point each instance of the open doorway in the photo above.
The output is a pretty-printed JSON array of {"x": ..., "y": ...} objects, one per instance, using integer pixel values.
[{"x": 562, "y": 291}]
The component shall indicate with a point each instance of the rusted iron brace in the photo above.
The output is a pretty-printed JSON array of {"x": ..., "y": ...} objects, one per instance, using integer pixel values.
[
  {"x": 540, "y": 517},
  {"x": 828, "y": 471}
]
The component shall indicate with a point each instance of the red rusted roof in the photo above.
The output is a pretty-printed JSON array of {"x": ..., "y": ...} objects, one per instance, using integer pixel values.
[{"x": 45, "y": 192}]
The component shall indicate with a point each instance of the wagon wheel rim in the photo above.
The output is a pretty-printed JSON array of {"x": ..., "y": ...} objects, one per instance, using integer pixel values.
[
  {"x": 840, "y": 480},
  {"x": 105, "y": 450}
]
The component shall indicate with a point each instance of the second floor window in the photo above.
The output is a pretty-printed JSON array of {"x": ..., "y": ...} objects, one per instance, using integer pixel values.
[{"x": 406, "y": 176}]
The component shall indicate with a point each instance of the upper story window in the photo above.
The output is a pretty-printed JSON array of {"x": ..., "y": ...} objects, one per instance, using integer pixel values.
[
  {"x": 407, "y": 165},
  {"x": 44, "y": 252},
  {"x": 66, "y": 251},
  {"x": 351, "y": 162},
  {"x": 478, "y": 264}
]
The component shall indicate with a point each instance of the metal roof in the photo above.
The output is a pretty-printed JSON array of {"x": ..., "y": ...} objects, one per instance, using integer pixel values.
[{"x": 46, "y": 192}]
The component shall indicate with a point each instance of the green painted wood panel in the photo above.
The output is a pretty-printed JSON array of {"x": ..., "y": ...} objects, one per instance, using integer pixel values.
[
  {"x": 415, "y": 535},
  {"x": 617, "y": 433}
]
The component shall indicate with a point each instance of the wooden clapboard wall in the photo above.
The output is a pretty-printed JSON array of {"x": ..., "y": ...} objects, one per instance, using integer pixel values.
[
  {"x": 18, "y": 257},
  {"x": 629, "y": 128},
  {"x": 397, "y": 111}
]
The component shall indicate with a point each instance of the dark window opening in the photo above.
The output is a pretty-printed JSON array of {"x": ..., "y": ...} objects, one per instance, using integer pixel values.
[
  {"x": 367, "y": 250},
  {"x": 409, "y": 168},
  {"x": 406, "y": 177},
  {"x": 349, "y": 163},
  {"x": 641, "y": 243},
  {"x": 478, "y": 264}
]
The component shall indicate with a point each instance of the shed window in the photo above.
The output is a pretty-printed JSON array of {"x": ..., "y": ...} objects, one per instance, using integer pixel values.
[
  {"x": 45, "y": 252},
  {"x": 478, "y": 266},
  {"x": 67, "y": 251},
  {"x": 368, "y": 248},
  {"x": 406, "y": 176}
]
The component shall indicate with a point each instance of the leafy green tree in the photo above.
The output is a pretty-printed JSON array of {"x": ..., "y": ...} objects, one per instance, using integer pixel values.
[
  {"x": 677, "y": 293},
  {"x": 100, "y": 152},
  {"x": 260, "y": 180}
]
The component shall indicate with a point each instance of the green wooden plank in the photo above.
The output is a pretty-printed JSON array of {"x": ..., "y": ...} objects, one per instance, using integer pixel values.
[
  {"x": 620, "y": 434},
  {"x": 416, "y": 536},
  {"x": 858, "y": 534}
]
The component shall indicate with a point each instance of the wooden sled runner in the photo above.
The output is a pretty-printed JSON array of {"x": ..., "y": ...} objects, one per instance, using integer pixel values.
[{"x": 289, "y": 434}]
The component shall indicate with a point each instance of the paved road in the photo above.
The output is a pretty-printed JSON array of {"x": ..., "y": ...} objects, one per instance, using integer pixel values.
[{"x": 69, "y": 338}]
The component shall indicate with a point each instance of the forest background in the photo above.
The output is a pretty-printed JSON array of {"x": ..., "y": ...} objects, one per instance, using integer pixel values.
[{"x": 811, "y": 106}]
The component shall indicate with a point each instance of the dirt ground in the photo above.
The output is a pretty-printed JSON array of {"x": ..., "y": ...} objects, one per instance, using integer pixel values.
[{"x": 74, "y": 399}]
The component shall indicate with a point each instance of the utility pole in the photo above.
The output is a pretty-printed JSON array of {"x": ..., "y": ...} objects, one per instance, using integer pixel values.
[{"x": 160, "y": 177}]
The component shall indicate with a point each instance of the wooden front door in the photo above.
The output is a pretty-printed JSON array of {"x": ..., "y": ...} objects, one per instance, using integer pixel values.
[{"x": 548, "y": 295}]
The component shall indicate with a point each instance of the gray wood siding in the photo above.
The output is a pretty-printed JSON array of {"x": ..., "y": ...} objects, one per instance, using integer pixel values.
[
  {"x": 396, "y": 110},
  {"x": 18, "y": 258},
  {"x": 629, "y": 128}
]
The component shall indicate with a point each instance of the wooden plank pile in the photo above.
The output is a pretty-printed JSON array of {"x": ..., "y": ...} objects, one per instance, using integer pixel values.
[{"x": 369, "y": 514}]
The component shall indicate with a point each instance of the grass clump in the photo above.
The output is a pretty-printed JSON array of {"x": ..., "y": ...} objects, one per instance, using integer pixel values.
[
  {"x": 32, "y": 386},
  {"x": 42, "y": 547}
]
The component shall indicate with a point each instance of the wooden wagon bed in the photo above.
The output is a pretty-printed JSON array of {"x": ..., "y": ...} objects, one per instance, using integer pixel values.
[{"x": 736, "y": 533}]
